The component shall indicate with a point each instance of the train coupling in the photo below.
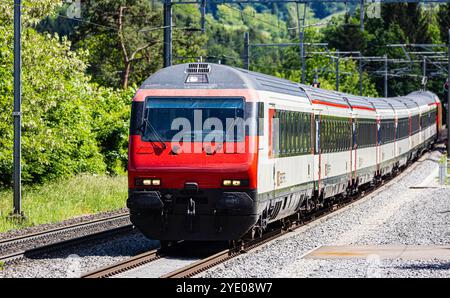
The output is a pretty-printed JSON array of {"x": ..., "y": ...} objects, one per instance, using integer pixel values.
[{"x": 191, "y": 207}]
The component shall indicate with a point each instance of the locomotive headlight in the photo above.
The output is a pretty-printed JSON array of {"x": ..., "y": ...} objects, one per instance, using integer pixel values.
[
  {"x": 227, "y": 182},
  {"x": 146, "y": 182},
  {"x": 236, "y": 182}
]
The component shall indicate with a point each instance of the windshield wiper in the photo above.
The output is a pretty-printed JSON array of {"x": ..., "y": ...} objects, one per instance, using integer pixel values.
[{"x": 155, "y": 132}]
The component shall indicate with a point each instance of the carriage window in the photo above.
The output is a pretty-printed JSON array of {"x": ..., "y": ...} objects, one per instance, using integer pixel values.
[
  {"x": 365, "y": 132},
  {"x": 387, "y": 131},
  {"x": 402, "y": 128},
  {"x": 294, "y": 133},
  {"x": 415, "y": 124},
  {"x": 335, "y": 134}
]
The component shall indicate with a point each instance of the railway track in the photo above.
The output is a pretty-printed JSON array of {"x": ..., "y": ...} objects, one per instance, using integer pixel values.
[
  {"x": 16, "y": 248},
  {"x": 126, "y": 265},
  {"x": 217, "y": 258}
]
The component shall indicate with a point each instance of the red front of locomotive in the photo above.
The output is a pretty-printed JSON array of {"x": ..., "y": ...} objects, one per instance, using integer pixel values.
[{"x": 193, "y": 163}]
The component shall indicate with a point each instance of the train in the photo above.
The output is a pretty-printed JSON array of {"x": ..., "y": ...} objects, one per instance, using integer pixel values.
[{"x": 218, "y": 153}]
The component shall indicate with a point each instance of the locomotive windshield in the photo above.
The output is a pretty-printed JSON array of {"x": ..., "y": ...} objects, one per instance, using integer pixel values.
[{"x": 194, "y": 119}]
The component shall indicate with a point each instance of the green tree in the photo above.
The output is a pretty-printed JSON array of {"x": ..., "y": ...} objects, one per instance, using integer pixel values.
[
  {"x": 57, "y": 136},
  {"x": 127, "y": 29},
  {"x": 70, "y": 125},
  {"x": 444, "y": 20},
  {"x": 347, "y": 36},
  {"x": 33, "y": 11},
  {"x": 325, "y": 67},
  {"x": 125, "y": 39},
  {"x": 110, "y": 123},
  {"x": 410, "y": 17}
]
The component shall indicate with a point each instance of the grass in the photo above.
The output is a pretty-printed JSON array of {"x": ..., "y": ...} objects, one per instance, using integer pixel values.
[
  {"x": 60, "y": 200},
  {"x": 442, "y": 161}
]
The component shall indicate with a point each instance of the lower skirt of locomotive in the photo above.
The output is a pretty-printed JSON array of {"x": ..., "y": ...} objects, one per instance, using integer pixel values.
[{"x": 212, "y": 214}]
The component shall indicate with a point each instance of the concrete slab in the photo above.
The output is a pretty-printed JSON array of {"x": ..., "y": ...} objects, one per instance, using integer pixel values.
[{"x": 411, "y": 252}]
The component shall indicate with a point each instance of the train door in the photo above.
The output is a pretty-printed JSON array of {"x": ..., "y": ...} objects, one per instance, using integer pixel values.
[
  {"x": 411, "y": 143},
  {"x": 378, "y": 147},
  {"x": 318, "y": 152},
  {"x": 282, "y": 140},
  {"x": 273, "y": 148},
  {"x": 354, "y": 148},
  {"x": 396, "y": 155}
]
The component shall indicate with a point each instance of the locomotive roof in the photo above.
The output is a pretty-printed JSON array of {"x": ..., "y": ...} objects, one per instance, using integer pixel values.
[
  {"x": 427, "y": 96},
  {"x": 379, "y": 103},
  {"x": 359, "y": 101},
  {"x": 317, "y": 94},
  {"x": 226, "y": 77},
  {"x": 408, "y": 102},
  {"x": 396, "y": 103},
  {"x": 219, "y": 76}
]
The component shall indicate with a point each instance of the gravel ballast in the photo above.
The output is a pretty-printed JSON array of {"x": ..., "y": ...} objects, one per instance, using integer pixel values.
[
  {"x": 398, "y": 215},
  {"x": 74, "y": 261}
]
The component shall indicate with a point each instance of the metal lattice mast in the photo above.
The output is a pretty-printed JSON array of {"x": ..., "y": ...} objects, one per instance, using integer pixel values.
[
  {"x": 17, "y": 113},
  {"x": 167, "y": 33},
  {"x": 448, "y": 99}
]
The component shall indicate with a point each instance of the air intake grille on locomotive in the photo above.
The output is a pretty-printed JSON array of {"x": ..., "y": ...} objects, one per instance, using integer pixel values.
[{"x": 198, "y": 68}]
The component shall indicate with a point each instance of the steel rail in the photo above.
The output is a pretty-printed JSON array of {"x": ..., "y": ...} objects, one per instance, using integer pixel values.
[
  {"x": 124, "y": 266},
  {"x": 8, "y": 243}
]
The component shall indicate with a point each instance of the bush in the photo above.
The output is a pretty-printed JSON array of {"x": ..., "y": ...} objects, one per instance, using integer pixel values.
[
  {"x": 70, "y": 126},
  {"x": 111, "y": 115}
]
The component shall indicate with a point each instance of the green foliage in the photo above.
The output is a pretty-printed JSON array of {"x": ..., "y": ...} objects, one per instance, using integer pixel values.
[
  {"x": 57, "y": 136},
  {"x": 347, "y": 36},
  {"x": 444, "y": 21},
  {"x": 400, "y": 23},
  {"x": 33, "y": 11},
  {"x": 226, "y": 35},
  {"x": 322, "y": 10},
  {"x": 325, "y": 67},
  {"x": 124, "y": 39},
  {"x": 111, "y": 118},
  {"x": 69, "y": 125},
  {"x": 120, "y": 33}
]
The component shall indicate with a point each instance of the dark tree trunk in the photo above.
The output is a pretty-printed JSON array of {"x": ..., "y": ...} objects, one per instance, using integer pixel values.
[{"x": 126, "y": 75}]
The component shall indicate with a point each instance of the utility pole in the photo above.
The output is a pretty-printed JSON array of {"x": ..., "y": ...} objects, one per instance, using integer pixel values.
[
  {"x": 361, "y": 14},
  {"x": 17, "y": 113},
  {"x": 301, "y": 37},
  {"x": 385, "y": 76},
  {"x": 337, "y": 71},
  {"x": 246, "y": 56},
  {"x": 448, "y": 100},
  {"x": 424, "y": 73},
  {"x": 167, "y": 33},
  {"x": 203, "y": 14},
  {"x": 360, "y": 69},
  {"x": 424, "y": 67}
]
